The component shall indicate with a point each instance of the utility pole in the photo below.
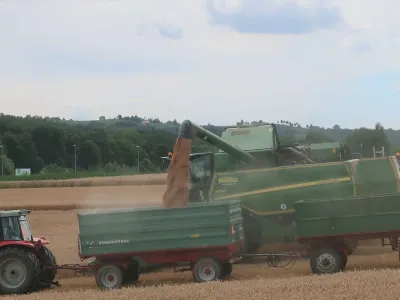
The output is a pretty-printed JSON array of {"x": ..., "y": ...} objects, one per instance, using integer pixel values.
[
  {"x": 138, "y": 159},
  {"x": 2, "y": 160},
  {"x": 75, "y": 157}
]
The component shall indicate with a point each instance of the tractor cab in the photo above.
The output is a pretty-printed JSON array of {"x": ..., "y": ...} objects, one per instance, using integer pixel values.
[{"x": 15, "y": 227}]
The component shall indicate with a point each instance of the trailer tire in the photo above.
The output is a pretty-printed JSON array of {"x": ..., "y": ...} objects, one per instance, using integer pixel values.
[
  {"x": 25, "y": 264},
  {"x": 344, "y": 262},
  {"x": 207, "y": 269},
  {"x": 46, "y": 257},
  {"x": 132, "y": 273},
  {"x": 226, "y": 270},
  {"x": 326, "y": 261},
  {"x": 110, "y": 277}
]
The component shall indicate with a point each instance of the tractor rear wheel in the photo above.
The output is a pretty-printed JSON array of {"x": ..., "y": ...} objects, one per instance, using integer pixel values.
[
  {"x": 19, "y": 271},
  {"x": 47, "y": 258}
]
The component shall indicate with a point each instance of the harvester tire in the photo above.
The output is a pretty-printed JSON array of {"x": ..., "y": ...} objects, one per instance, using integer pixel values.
[
  {"x": 131, "y": 274},
  {"x": 46, "y": 257},
  {"x": 110, "y": 277},
  {"x": 207, "y": 269},
  {"x": 19, "y": 271},
  {"x": 226, "y": 270},
  {"x": 326, "y": 261}
]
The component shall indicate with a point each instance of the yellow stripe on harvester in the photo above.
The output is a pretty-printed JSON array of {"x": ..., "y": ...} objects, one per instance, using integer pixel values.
[{"x": 288, "y": 187}]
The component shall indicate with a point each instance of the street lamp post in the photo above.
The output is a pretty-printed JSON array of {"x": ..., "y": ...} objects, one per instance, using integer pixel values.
[
  {"x": 2, "y": 160},
  {"x": 138, "y": 159},
  {"x": 75, "y": 158}
]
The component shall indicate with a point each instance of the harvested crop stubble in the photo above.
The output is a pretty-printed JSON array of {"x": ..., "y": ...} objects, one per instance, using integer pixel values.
[
  {"x": 144, "y": 179},
  {"x": 351, "y": 285}
]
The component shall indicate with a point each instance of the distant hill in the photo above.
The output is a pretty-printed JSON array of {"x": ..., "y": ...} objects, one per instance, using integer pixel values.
[
  {"x": 285, "y": 129},
  {"x": 44, "y": 143}
]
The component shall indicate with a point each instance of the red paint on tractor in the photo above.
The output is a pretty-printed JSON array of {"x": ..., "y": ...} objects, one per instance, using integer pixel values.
[{"x": 17, "y": 243}]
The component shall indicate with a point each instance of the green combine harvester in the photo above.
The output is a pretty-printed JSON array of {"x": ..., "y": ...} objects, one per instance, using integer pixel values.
[{"x": 251, "y": 165}]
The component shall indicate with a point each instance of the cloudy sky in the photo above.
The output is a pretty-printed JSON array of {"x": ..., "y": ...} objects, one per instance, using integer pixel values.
[{"x": 315, "y": 62}]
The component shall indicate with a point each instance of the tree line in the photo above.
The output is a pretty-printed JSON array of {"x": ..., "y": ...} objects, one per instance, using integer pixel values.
[{"x": 46, "y": 144}]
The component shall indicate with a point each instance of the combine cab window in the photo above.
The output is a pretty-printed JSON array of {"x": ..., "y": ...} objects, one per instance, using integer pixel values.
[
  {"x": 11, "y": 229},
  {"x": 200, "y": 169},
  {"x": 200, "y": 175}
]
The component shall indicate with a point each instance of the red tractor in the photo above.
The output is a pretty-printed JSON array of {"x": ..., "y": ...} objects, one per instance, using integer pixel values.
[{"x": 23, "y": 259}]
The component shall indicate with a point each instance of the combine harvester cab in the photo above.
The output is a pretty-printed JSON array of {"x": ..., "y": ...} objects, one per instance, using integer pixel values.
[{"x": 25, "y": 262}]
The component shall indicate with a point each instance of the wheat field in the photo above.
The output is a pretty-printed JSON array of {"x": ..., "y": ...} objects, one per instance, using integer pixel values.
[
  {"x": 372, "y": 271},
  {"x": 366, "y": 285},
  {"x": 142, "y": 179}
]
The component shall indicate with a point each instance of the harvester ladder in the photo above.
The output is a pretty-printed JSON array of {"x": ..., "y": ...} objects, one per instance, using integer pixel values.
[{"x": 379, "y": 152}]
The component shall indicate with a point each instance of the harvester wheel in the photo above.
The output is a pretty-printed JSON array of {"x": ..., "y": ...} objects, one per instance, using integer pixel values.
[
  {"x": 46, "y": 257},
  {"x": 132, "y": 273},
  {"x": 207, "y": 269},
  {"x": 110, "y": 277},
  {"x": 326, "y": 261},
  {"x": 226, "y": 270},
  {"x": 19, "y": 271}
]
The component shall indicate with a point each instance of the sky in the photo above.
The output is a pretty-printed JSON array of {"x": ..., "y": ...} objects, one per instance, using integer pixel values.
[{"x": 317, "y": 62}]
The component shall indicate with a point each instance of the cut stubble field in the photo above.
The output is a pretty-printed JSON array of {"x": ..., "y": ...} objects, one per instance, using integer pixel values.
[{"x": 54, "y": 216}]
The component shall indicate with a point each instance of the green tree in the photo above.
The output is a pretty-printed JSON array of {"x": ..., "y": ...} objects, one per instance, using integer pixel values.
[
  {"x": 8, "y": 165},
  {"x": 90, "y": 155},
  {"x": 363, "y": 140},
  {"x": 317, "y": 137}
]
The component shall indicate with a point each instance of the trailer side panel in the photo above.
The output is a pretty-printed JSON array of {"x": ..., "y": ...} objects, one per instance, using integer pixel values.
[
  {"x": 153, "y": 228},
  {"x": 348, "y": 216}
]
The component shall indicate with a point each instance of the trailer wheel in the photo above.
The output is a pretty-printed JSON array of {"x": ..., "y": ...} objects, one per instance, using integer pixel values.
[
  {"x": 344, "y": 262},
  {"x": 109, "y": 277},
  {"x": 46, "y": 257},
  {"x": 326, "y": 261},
  {"x": 19, "y": 271},
  {"x": 207, "y": 269},
  {"x": 226, "y": 270},
  {"x": 132, "y": 273}
]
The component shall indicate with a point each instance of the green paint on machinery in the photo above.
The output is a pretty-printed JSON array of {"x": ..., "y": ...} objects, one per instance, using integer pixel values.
[
  {"x": 152, "y": 228},
  {"x": 347, "y": 216},
  {"x": 269, "y": 178}
]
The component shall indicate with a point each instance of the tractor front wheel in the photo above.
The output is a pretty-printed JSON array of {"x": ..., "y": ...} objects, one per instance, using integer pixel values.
[{"x": 19, "y": 271}]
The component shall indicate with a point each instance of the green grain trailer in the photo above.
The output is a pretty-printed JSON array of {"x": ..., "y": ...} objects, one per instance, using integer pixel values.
[
  {"x": 126, "y": 242},
  {"x": 324, "y": 225}
]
